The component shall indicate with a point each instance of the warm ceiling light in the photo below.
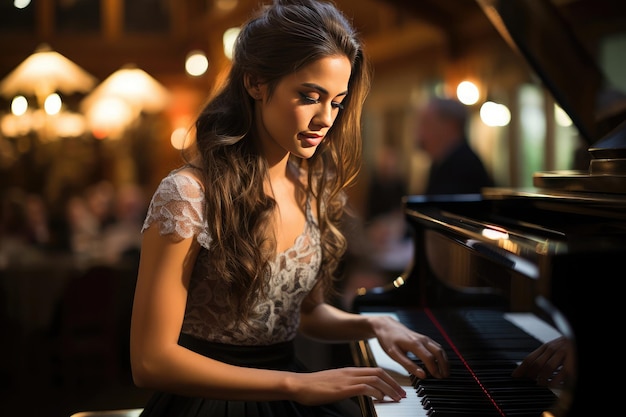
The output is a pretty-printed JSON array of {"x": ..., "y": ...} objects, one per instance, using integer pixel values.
[
  {"x": 495, "y": 114},
  {"x": 21, "y": 4},
  {"x": 229, "y": 38},
  {"x": 561, "y": 117},
  {"x": 109, "y": 116},
  {"x": 467, "y": 92},
  {"x": 19, "y": 105},
  {"x": 181, "y": 138},
  {"x": 196, "y": 63},
  {"x": 52, "y": 105}
]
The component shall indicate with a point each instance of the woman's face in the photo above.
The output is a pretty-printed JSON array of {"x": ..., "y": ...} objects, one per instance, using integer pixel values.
[{"x": 304, "y": 105}]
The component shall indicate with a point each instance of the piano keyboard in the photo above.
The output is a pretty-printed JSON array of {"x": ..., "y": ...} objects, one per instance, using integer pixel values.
[{"x": 412, "y": 405}]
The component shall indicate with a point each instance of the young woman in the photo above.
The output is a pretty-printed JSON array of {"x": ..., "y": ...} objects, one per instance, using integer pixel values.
[{"x": 240, "y": 244}]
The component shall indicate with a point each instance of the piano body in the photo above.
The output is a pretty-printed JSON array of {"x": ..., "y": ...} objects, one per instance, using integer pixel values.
[{"x": 496, "y": 274}]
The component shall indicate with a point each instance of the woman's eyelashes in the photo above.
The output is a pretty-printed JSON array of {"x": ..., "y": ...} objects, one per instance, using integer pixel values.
[{"x": 311, "y": 100}]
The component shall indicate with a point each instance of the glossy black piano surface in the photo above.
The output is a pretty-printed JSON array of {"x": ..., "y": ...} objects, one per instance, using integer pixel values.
[
  {"x": 556, "y": 250},
  {"x": 557, "y": 256}
]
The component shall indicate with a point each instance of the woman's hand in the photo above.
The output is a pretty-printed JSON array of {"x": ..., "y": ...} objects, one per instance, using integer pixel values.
[
  {"x": 324, "y": 322},
  {"x": 551, "y": 364},
  {"x": 398, "y": 340},
  {"x": 332, "y": 385}
]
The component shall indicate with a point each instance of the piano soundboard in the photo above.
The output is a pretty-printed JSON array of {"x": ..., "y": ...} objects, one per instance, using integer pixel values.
[{"x": 483, "y": 351}]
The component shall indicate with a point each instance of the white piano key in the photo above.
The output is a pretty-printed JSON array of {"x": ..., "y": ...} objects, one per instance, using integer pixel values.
[
  {"x": 382, "y": 359},
  {"x": 408, "y": 407},
  {"x": 534, "y": 326}
]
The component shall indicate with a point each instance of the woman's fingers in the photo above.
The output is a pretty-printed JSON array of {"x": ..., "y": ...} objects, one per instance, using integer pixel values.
[
  {"x": 383, "y": 385},
  {"x": 432, "y": 355}
]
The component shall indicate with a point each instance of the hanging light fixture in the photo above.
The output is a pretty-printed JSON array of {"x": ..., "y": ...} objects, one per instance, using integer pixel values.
[
  {"x": 45, "y": 72},
  {"x": 140, "y": 90},
  {"x": 121, "y": 98},
  {"x": 43, "y": 75}
]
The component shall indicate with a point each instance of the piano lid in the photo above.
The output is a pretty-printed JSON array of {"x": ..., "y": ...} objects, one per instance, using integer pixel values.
[{"x": 541, "y": 34}]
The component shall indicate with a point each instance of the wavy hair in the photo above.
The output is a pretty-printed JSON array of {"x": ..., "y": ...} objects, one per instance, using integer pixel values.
[{"x": 278, "y": 40}]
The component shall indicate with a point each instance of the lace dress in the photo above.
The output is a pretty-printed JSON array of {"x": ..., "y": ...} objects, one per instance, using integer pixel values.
[{"x": 209, "y": 328}]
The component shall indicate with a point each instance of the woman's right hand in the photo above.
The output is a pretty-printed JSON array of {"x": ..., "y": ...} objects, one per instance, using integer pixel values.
[{"x": 315, "y": 388}]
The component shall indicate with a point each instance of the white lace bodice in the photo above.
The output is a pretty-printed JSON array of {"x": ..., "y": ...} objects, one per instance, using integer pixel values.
[{"x": 177, "y": 209}]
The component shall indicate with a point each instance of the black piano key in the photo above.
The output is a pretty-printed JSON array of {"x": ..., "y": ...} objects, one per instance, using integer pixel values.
[{"x": 484, "y": 352}]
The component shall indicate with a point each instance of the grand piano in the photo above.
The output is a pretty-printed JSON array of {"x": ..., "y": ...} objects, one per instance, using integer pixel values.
[{"x": 496, "y": 274}]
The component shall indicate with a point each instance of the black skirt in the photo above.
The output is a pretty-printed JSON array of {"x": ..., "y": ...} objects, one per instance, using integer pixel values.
[{"x": 277, "y": 357}]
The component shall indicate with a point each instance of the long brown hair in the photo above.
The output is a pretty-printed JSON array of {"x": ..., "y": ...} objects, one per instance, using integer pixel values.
[{"x": 280, "y": 39}]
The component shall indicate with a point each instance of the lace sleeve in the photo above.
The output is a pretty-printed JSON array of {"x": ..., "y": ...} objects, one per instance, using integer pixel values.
[{"x": 177, "y": 209}]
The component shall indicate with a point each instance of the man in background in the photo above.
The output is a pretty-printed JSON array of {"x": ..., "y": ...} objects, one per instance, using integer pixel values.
[{"x": 442, "y": 134}]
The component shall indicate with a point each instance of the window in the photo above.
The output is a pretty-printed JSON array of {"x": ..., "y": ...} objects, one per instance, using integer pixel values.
[
  {"x": 146, "y": 16},
  {"x": 77, "y": 16}
]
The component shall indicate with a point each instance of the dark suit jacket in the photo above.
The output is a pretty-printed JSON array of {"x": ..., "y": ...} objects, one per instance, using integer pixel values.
[{"x": 462, "y": 172}]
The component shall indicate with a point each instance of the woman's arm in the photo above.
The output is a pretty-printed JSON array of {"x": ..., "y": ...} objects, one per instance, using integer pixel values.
[
  {"x": 159, "y": 363},
  {"x": 322, "y": 321}
]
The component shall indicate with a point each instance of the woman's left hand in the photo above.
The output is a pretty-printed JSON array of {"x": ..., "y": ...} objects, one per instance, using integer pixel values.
[{"x": 398, "y": 340}]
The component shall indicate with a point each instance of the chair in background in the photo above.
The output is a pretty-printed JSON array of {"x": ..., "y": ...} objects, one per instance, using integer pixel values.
[{"x": 88, "y": 340}]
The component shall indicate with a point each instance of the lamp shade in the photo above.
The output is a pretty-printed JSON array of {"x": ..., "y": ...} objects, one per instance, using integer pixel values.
[
  {"x": 44, "y": 72},
  {"x": 135, "y": 86}
]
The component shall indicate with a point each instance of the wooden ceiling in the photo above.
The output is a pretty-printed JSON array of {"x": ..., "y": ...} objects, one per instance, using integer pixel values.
[{"x": 392, "y": 29}]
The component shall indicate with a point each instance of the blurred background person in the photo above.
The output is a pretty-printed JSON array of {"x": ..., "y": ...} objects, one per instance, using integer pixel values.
[
  {"x": 122, "y": 236},
  {"x": 442, "y": 134},
  {"x": 389, "y": 244},
  {"x": 379, "y": 243},
  {"x": 83, "y": 228},
  {"x": 387, "y": 185},
  {"x": 24, "y": 226}
]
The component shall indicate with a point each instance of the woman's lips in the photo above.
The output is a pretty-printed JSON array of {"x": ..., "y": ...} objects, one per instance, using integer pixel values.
[{"x": 311, "y": 140}]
